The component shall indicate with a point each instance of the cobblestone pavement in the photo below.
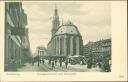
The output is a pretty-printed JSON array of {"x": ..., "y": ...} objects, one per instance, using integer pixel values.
[{"x": 48, "y": 68}]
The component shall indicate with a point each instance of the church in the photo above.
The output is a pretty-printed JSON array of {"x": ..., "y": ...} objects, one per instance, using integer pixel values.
[{"x": 66, "y": 39}]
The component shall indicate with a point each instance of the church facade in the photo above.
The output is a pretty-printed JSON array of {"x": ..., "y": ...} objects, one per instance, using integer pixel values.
[{"x": 66, "y": 39}]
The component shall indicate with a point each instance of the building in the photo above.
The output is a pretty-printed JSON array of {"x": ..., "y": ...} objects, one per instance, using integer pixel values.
[
  {"x": 41, "y": 51},
  {"x": 40, "y": 54},
  {"x": 17, "y": 47},
  {"x": 88, "y": 49},
  {"x": 98, "y": 49},
  {"x": 66, "y": 39}
]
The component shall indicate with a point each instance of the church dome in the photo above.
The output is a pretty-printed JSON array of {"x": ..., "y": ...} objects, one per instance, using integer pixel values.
[
  {"x": 68, "y": 28},
  {"x": 68, "y": 23}
]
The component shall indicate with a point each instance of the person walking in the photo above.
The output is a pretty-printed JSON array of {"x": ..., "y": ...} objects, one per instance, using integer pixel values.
[
  {"x": 55, "y": 61},
  {"x": 43, "y": 61},
  {"x": 66, "y": 63},
  {"x": 53, "y": 65},
  {"x": 49, "y": 61},
  {"x": 106, "y": 65},
  {"x": 60, "y": 62},
  {"x": 99, "y": 64},
  {"x": 89, "y": 63}
]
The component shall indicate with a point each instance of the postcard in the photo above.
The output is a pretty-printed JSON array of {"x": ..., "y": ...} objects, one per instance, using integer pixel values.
[{"x": 63, "y": 41}]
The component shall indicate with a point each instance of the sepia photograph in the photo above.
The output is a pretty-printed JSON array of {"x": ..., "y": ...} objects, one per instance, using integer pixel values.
[
  {"x": 63, "y": 40},
  {"x": 57, "y": 37}
]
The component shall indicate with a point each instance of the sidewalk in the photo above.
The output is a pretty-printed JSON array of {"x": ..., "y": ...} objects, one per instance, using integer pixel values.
[
  {"x": 84, "y": 68},
  {"x": 29, "y": 68}
]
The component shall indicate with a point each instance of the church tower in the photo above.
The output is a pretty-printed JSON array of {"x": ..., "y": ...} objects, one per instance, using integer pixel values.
[{"x": 55, "y": 22}]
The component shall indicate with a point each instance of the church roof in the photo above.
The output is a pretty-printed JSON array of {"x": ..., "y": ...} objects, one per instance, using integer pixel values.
[{"x": 68, "y": 28}]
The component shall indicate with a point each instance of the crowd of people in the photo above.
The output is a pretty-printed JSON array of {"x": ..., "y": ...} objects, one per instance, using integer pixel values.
[
  {"x": 53, "y": 62},
  {"x": 104, "y": 63}
]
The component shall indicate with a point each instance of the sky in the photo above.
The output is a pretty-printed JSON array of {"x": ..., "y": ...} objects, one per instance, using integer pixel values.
[{"x": 93, "y": 19}]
